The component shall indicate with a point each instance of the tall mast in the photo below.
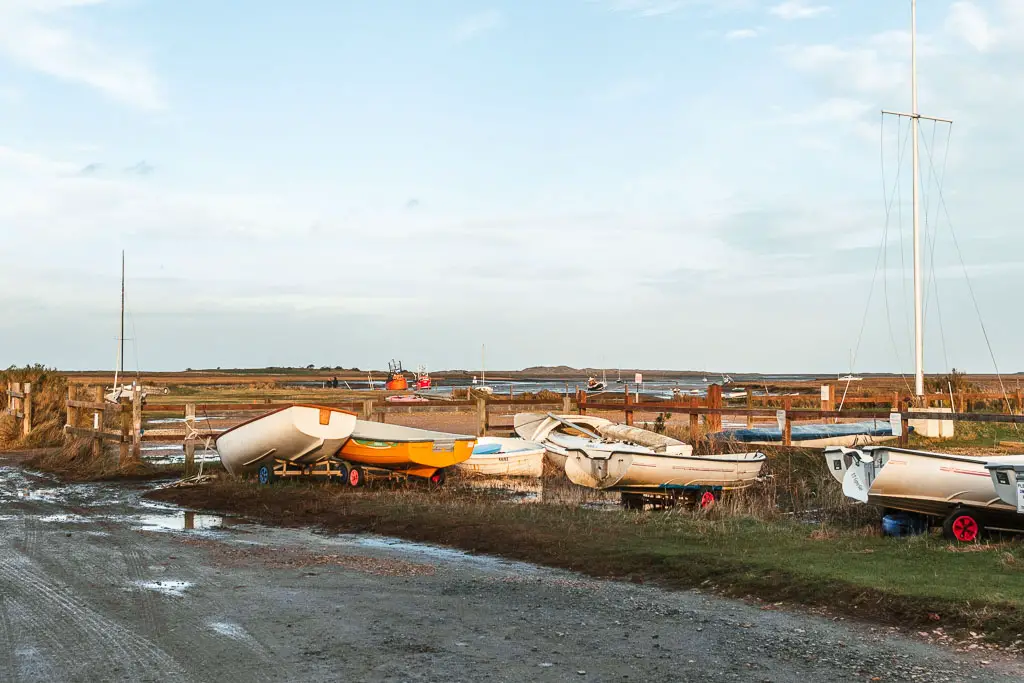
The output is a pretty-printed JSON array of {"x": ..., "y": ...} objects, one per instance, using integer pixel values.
[
  {"x": 915, "y": 120},
  {"x": 915, "y": 117},
  {"x": 121, "y": 357}
]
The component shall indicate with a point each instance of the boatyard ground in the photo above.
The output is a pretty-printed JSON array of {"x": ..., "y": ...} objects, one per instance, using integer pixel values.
[
  {"x": 98, "y": 583},
  {"x": 921, "y": 584}
]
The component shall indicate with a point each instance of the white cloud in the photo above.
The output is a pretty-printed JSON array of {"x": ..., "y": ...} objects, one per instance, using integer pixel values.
[
  {"x": 968, "y": 22},
  {"x": 44, "y": 35},
  {"x": 743, "y": 34},
  {"x": 798, "y": 9},
  {"x": 658, "y": 8},
  {"x": 478, "y": 24}
]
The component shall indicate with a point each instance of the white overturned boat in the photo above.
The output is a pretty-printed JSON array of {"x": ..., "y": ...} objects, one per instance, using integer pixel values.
[
  {"x": 602, "y": 455},
  {"x": 498, "y": 457},
  {"x": 956, "y": 488},
  {"x": 621, "y": 466},
  {"x": 538, "y": 427},
  {"x": 298, "y": 434}
]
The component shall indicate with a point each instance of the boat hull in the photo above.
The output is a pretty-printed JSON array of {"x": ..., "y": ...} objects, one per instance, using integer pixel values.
[
  {"x": 299, "y": 434},
  {"x": 517, "y": 458},
  {"x": 1007, "y": 479},
  {"x": 417, "y": 452},
  {"x": 927, "y": 483},
  {"x": 538, "y": 427},
  {"x": 635, "y": 471}
]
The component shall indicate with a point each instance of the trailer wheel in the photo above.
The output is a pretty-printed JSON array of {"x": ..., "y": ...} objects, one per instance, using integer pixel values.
[
  {"x": 343, "y": 473},
  {"x": 356, "y": 477},
  {"x": 707, "y": 499},
  {"x": 438, "y": 477},
  {"x": 633, "y": 501},
  {"x": 265, "y": 475},
  {"x": 962, "y": 525}
]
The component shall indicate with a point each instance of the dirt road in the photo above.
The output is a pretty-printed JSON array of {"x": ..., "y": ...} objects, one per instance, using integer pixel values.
[{"x": 98, "y": 584}]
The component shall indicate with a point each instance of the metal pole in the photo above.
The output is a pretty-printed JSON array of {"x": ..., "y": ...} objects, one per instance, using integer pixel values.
[{"x": 914, "y": 123}]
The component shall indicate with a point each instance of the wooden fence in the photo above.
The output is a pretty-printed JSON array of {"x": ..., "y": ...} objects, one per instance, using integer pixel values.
[{"x": 19, "y": 404}]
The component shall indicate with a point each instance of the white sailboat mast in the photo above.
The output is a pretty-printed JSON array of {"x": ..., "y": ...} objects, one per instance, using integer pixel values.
[
  {"x": 915, "y": 117},
  {"x": 915, "y": 120}
]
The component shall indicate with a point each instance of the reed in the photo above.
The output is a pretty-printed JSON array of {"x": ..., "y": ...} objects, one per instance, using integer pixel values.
[{"x": 49, "y": 393}]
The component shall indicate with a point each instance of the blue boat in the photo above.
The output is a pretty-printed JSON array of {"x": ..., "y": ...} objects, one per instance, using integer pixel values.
[{"x": 815, "y": 435}]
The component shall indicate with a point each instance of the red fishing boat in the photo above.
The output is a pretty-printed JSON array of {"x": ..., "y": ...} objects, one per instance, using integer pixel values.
[
  {"x": 422, "y": 378},
  {"x": 396, "y": 377}
]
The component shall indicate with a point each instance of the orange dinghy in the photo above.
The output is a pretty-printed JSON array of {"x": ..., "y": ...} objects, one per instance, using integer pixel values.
[{"x": 416, "y": 452}]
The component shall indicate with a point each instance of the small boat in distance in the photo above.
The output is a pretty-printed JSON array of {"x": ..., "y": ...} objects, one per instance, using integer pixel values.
[
  {"x": 499, "y": 457},
  {"x": 396, "y": 377},
  {"x": 423, "y": 378},
  {"x": 594, "y": 384}
]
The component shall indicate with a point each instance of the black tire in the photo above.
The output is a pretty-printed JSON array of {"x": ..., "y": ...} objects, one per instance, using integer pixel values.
[
  {"x": 343, "y": 470},
  {"x": 963, "y": 526},
  {"x": 356, "y": 477},
  {"x": 439, "y": 477},
  {"x": 633, "y": 501},
  {"x": 265, "y": 475}
]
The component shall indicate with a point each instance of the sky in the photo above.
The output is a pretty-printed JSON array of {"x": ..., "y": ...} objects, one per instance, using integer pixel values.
[{"x": 685, "y": 184}]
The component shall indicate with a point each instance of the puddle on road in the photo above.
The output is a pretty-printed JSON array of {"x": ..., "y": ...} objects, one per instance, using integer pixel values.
[
  {"x": 229, "y": 630},
  {"x": 433, "y": 552},
  {"x": 65, "y": 519},
  {"x": 181, "y": 521},
  {"x": 173, "y": 588}
]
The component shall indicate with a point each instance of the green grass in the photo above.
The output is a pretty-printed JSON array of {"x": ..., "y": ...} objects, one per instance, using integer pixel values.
[{"x": 851, "y": 571}]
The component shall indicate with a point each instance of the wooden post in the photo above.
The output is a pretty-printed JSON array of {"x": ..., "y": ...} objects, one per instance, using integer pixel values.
[
  {"x": 125, "y": 417},
  {"x": 368, "y": 411},
  {"x": 136, "y": 424},
  {"x": 1020, "y": 408},
  {"x": 628, "y": 411},
  {"x": 481, "y": 416},
  {"x": 97, "y": 422},
  {"x": 190, "y": 442},
  {"x": 26, "y": 409},
  {"x": 694, "y": 422},
  {"x": 787, "y": 432},
  {"x": 750, "y": 406},
  {"x": 905, "y": 431},
  {"x": 581, "y": 400},
  {"x": 566, "y": 404},
  {"x": 72, "y": 416},
  {"x": 714, "y": 421},
  {"x": 895, "y": 401}
]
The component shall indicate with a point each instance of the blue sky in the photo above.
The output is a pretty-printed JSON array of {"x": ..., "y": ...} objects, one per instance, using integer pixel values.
[{"x": 652, "y": 183}]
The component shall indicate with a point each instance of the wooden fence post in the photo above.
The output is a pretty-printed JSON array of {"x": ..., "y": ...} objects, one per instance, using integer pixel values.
[
  {"x": 481, "y": 416},
  {"x": 26, "y": 409},
  {"x": 125, "y": 417},
  {"x": 1020, "y": 408},
  {"x": 714, "y": 420},
  {"x": 750, "y": 406},
  {"x": 368, "y": 411},
  {"x": 97, "y": 422},
  {"x": 136, "y": 423},
  {"x": 190, "y": 441},
  {"x": 566, "y": 404},
  {"x": 787, "y": 432},
  {"x": 626, "y": 403},
  {"x": 581, "y": 401},
  {"x": 694, "y": 402},
  {"x": 905, "y": 431}
]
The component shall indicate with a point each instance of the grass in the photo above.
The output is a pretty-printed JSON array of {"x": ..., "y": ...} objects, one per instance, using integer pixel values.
[
  {"x": 912, "y": 583},
  {"x": 49, "y": 393}
]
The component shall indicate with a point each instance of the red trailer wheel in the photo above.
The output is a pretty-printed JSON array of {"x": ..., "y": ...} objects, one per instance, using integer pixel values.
[
  {"x": 707, "y": 499},
  {"x": 356, "y": 477},
  {"x": 962, "y": 526}
]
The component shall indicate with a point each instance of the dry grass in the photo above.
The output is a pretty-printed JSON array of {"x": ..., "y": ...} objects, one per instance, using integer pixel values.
[
  {"x": 77, "y": 460},
  {"x": 49, "y": 393}
]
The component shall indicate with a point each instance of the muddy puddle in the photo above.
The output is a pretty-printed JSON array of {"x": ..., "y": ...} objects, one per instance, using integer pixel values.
[{"x": 181, "y": 520}]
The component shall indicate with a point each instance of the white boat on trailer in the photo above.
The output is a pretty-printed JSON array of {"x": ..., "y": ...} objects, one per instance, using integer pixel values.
[
  {"x": 307, "y": 437},
  {"x": 956, "y": 490},
  {"x": 503, "y": 457}
]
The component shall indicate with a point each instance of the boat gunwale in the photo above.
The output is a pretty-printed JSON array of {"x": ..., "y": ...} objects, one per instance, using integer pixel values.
[
  {"x": 281, "y": 409},
  {"x": 981, "y": 460},
  {"x": 675, "y": 456}
]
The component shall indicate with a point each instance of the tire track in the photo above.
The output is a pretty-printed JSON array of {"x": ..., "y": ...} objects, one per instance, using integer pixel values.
[
  {"x": 8, "y": 669},
  {"x": 135, "y": 570},
  {"x": 116, "y": 646}
]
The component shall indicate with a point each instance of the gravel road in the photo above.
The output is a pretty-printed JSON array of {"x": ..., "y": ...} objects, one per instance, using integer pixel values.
[{"x": 98, "y": 584}]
